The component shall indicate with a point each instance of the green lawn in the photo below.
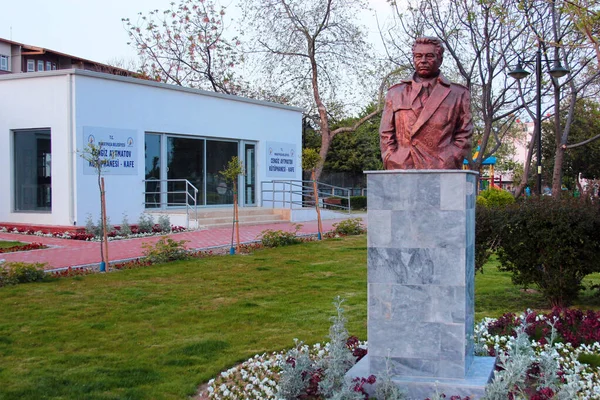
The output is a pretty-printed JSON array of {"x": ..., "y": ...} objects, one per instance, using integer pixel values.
[
  {"x": 158, "y": 332},
  {"x": 4, "y": 244}
]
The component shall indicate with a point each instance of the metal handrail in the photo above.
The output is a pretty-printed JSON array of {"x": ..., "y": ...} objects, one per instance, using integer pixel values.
[
  {"x": 292, "y": 190},
  {"x": 190, "y": 192}
]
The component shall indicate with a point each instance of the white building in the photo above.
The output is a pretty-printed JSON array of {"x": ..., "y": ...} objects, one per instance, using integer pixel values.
[{"x": 151, "y": 132}]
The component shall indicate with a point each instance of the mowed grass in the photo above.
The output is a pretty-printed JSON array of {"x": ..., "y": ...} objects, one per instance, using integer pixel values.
[
  {"x": 5, "y": 244},
  {"x": 158, "y": 332}
]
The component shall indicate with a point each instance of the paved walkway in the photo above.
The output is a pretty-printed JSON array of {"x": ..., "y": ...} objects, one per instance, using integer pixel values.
[{"x": 73, "y": 253}]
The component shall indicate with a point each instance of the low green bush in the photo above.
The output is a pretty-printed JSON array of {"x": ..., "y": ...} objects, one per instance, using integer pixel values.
[
  {"x": 145, "y": 223},
  {"x": 495, "y": 197},
  {"x": 488, "y": 222},
  {"x": 351, "y": 226},
  {"x": 12, "y": 273},
  {"x": 164, "y": 223},
  {"x": 271, "y": 238},
  {"x": 552, "y": 244},
  {"x": 356, "y": 202},
  {"x": 165, "y": 250}
]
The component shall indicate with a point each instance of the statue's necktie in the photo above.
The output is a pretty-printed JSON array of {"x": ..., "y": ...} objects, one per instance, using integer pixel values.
[{"x": 424, "y": 93}]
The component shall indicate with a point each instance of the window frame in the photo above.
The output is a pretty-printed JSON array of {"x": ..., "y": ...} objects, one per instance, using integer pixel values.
[
  {"x": 32, "y": 170},
  {"x": 4, "y": 59},
  {"x": 40, "y": 63},
  {"x": 30, "y": 65}
]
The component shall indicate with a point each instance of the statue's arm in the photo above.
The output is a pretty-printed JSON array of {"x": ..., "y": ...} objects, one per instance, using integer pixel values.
[
  {"x": 387, "y": 129},
  {"x": 464, "y": 126}
]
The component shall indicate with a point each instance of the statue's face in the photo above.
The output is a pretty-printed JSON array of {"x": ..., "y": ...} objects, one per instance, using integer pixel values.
[{"x": 426, "y": 60}]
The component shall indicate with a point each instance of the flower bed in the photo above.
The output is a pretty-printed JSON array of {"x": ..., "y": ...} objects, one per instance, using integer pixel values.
[
  {"x": 564, "y": 341},
  {"x": 78, "y": 234},
  {"x": 24, "y": 247}
]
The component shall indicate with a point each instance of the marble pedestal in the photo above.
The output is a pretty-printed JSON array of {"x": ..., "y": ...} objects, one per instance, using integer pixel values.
[{"x": 421, "y": 243}]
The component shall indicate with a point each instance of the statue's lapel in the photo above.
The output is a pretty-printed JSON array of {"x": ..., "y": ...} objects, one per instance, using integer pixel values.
[
  {"x": 415, "y": 89},
  {"x": 439, "y": 93}
]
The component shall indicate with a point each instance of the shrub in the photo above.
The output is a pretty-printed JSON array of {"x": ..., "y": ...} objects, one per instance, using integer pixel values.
[
  {"x": 351, "y": 226},
  {"x": 358, "y": 202},
  {"x": 125, "y": 229},
  {"x": 145, "y": 223},
  {"x": 12, "y": 273},
  {"x": 90, "y": 227},
  {"x": 551, "y": 243},
  {"x": 109, "y": 227},
  {"x": 302, "y": 377},
  {"x": 521, "y": 373},
  {"x": 488, "y": 222},
  {"x": 165, "y": 250},
  {"x": 271, "y": 238},
  {"x": 496, "y": 197},
  {"x": 164, "y": 223}
]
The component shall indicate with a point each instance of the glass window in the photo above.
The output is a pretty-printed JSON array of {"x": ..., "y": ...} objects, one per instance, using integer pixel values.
[
  {"x": 33, "y": 170},
  {"x": 30, "y": 65},
  {"x": 40, "y": 65},
  {"x": 185, "y": 160},
  {"x": 218, "y": 154},
  {"x": 53, "y": 66},
  {"x": 48, "y": 65},
  {"x": 3, "y": 63}
]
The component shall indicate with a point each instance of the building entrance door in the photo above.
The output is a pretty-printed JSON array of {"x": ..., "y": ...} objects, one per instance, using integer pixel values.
[{"x": 185, "y": 160}]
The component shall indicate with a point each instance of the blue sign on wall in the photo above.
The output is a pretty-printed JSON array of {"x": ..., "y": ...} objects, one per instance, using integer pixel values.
[{"x": 118, "y": 150}]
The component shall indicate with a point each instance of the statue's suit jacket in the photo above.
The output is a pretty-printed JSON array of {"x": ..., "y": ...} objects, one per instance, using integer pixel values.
[{"x": 433, "y": 136}]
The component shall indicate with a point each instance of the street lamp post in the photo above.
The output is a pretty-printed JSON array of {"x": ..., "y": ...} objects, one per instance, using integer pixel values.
[{"x": 518, "y": 73}]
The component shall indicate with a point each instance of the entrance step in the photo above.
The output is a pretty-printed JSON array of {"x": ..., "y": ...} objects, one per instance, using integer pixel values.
[{"x": 223, "y": 216}]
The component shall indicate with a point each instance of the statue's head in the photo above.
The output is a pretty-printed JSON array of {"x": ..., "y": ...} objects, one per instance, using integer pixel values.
[{"x": 428, "y": 54}]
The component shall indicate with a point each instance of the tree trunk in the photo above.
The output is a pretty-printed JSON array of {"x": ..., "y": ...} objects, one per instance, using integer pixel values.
[
  {"x": 101, "y": 215},
  {"x": 236, "y": 217},
  {"x": 320, "y": 226},
  {"x": 325, "y": 144},
  {"x": 559, "y": 157},
  {"x": 526, "y": 169},
  {"x": 104, "y": 232}
]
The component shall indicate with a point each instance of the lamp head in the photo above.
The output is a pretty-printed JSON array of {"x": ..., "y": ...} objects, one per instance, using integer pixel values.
[
  {"x": 519, "y": 72},
  {"x": 558, "y": 71}
]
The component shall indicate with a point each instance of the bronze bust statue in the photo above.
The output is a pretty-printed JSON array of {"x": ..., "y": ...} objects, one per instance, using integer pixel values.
[{"x": 426, "y": 121}]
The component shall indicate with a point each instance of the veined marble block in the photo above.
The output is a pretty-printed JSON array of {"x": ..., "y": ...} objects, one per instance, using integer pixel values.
[{"x": 421, "y": 247}]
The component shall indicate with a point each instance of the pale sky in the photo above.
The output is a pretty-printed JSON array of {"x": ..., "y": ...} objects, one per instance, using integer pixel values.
[{"x": 92, "y": 29}]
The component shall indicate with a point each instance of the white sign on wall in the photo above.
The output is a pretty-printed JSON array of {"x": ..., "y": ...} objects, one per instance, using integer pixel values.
[
  {"x": 117, "y": 146},
  {"x": 281, "y": 160}
]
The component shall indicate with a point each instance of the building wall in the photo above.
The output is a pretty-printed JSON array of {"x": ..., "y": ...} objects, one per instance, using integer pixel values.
[
  {"x": 101, "y": 101},
  {"x": 36, "y": 102}
]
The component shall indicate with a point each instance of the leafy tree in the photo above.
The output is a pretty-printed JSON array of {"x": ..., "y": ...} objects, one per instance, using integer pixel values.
[
  {"x": 357, "y": 152},
  {"x": 310, "y": 161},
  {"x": 186, "y": 45},
  {"x": 559, "y": 40},
  {"x": 584, "y": 160},
  {"x": 235, "y": 168},
  {"x": 585, "y": 14},
  {"x": 314, "y": 51},
  {"x": 94, "y": 155}
]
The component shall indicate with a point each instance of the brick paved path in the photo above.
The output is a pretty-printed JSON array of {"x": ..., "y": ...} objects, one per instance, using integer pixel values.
[{"x": 71, "y": 253}]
